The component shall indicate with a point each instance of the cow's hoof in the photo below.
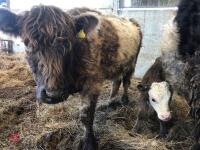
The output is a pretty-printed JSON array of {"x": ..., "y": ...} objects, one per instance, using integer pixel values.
[
  {"x": 125, "y": 100},
  {"x": 195, "y": 147},
  {"x": 88, "y": 143}
]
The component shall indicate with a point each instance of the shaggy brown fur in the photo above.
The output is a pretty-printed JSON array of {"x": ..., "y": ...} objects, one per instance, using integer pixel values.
[
  {"x": 191, "y": 88},
  {"x": 182, "y": 65},
  {"x": 63, "y": 63},
  {"x": 187, "y": 85},
  {"x": 78, "y": 11},
  {"x": 188, "y": 47},
  {"x": 154, "y": 74}
]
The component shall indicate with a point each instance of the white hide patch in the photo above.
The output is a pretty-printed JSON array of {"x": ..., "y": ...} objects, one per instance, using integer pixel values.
[
  {"x": 170, "y": 38},
  {"x": 159, "y": 98}
]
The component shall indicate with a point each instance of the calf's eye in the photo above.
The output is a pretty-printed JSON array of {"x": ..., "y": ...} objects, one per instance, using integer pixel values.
[{"x": 153, "y": 100}]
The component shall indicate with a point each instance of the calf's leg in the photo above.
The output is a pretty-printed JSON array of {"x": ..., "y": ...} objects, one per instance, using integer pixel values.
[
  {"x": 138, "y": 123},
  {"x": 142, "y": 115},
  {"x": 87, "y": 117},
  {"x": 163, "y": 129}
]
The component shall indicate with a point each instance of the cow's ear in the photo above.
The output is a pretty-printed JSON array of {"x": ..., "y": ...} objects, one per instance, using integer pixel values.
[
  {"x": 8, "y": 22},
  {"x": 85, "y": 22},
  {"x": 142, "y": 88}
]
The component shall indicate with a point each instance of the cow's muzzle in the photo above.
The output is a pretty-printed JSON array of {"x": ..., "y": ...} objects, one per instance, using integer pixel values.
[{"x": 52, "y": 97}]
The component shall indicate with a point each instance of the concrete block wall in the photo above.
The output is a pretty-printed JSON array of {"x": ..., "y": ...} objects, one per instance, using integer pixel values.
[{"x": 152, "y": 21}]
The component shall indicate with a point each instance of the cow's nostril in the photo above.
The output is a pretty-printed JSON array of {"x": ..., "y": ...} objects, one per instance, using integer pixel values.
[
  {"x": 40, "y": 93},
  {"x": 54, "y": 94},
  {"x": 166, "y": 116},
  {"x": 49, "y": 94}
]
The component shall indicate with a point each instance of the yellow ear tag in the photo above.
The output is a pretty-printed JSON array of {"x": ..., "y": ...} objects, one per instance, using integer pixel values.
[{"x": 81, "y": 34}]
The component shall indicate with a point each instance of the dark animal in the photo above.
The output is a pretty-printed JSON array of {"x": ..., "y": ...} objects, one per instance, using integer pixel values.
[
  {"x": 155, "y": 96},
  {"x": 184, "y": 78},
  {"x": 188, "y": 27},
  {"x": 71, "y": 53},
  {"x": 192, "y": 91}
]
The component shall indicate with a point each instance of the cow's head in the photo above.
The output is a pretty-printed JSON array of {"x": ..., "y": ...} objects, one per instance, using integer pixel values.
[
  {"x": 159, "y": 97},
  {"x": 49, "y": 35}
]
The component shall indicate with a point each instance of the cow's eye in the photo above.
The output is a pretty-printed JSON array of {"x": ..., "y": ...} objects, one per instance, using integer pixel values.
[{"x": 153, "y": 100}]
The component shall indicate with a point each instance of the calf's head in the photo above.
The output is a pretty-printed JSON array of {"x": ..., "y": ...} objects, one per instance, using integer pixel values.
[
  {"x": 159, "y": 96},
  {"x": 49, "y": 35}
]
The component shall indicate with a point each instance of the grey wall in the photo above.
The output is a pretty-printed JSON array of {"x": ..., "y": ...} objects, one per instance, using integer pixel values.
[
  {"x": 151, "y": 21},
  {"x": 150, "y": 3}
]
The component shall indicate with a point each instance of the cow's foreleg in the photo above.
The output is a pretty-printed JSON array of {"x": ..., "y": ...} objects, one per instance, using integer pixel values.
[
  {"x": 87, "y": 117},
  {"x": 115, "y": 87},
  {"x": 126, "y": 85}
]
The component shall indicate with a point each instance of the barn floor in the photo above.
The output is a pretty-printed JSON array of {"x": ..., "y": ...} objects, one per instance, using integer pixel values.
[{"x": 26, "y": 125}]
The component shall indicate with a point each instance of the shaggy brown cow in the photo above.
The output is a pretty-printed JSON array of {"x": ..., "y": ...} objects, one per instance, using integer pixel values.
[
  {"x": 71, "y": 53},
  {"x": 156, "y": 94}
]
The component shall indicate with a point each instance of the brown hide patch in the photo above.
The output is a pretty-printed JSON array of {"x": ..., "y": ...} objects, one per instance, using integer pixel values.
[
  {"x": 109, "y": 48},
  {"x": 154, "y": 74},
  {"x": 121, "y": 41},
  {"x": 78, "y": 11},
  {"x": 110, "y": 43}
]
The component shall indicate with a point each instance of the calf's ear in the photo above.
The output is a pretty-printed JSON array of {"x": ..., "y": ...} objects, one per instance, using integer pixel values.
[
  {"x": 142, "y": 88},
  {"x": 85, "y": 22},
  {"x": 8, "y": 22}
]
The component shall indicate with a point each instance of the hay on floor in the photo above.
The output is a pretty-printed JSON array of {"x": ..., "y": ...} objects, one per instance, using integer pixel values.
[{"x": 58, "y": 126}]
